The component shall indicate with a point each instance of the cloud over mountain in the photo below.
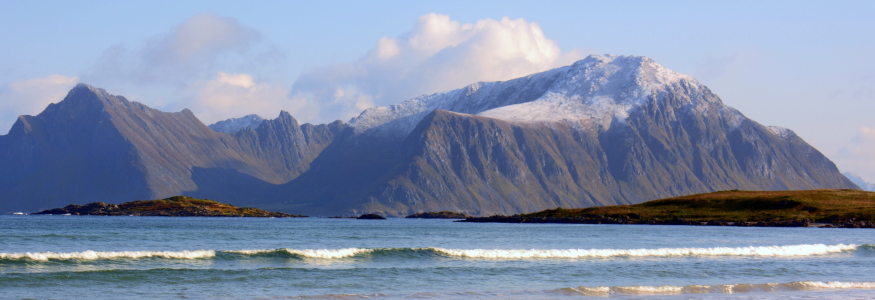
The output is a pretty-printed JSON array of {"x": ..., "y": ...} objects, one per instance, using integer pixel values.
[
  {"x": 437, "y": 54},
  {"x": 227, "y": 95},
  {"x": 30, "y": 96},
  {"x": 191, "y": 49},
  {"x": 205, "y": 63}
]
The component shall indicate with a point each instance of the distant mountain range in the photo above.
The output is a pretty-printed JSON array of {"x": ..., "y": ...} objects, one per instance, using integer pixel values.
[
  {"x": 605, "y": 130},
  {"x": 866, "y": 186},
  {"x": 237, "y": 124}
]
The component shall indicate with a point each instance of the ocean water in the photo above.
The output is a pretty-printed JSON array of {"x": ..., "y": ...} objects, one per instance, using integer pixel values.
[{"x": 62, "y": 257}]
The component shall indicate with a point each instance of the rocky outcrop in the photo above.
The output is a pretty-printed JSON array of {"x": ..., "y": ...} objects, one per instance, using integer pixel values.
[{"x": 371, "y": 217}]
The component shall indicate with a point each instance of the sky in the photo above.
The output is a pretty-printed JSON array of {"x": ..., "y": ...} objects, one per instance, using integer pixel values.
[{"x": 804, "y": 65}]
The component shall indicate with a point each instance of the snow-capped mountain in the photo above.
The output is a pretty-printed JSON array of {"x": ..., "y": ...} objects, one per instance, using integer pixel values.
[
  {"x": 605, "y": 130},
  {"x": 595, "y": 90},
  {"x": 237, "y": 124},
  {"x": 866, "y": 186}
]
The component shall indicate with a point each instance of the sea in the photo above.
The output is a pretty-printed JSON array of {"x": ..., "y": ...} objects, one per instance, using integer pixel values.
[{"x": 98, "y": 257}]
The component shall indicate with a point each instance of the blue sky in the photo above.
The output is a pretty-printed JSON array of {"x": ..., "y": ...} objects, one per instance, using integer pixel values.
[{"x": 804, "y": 65}]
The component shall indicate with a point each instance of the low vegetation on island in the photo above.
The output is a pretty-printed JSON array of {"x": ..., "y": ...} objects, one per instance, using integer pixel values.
[
  {"x": 178, "y": 206},
  {"x": 823, "y": 208},
  {"x": 438, "y": 215}
]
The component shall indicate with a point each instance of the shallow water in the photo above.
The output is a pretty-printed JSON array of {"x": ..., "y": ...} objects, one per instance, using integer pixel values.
[{"x": 149, "y": 257}]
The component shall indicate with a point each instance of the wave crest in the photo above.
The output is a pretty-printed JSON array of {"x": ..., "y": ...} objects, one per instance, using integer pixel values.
[
  {"x": 414, "y": 253},
  {"x": 309, "y": 253},
  {"x": 94, "y": 255},
  {"x": 715, "y": 289}
]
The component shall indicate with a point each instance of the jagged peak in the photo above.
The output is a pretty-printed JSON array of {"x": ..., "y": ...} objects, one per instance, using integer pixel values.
[
  {"x": 285, "y": 115},
  {"x": 285, "y": 118},
  {"x": 284, "y": 122}
]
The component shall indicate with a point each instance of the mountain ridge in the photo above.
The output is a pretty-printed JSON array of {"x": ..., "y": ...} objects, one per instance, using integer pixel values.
[
  {"x": 94, "y": 145},
  {"x": 605, "y": 130},
  {"x": 669, "y": 136}
]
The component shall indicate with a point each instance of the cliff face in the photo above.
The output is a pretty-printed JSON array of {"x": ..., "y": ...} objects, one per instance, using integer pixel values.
[
  {"x": 93, "y": 146},
  {"x": 606, "y": 130}
]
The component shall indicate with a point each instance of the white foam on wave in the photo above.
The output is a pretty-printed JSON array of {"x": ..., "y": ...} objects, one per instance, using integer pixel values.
[
  {"x": 310, "y": 253},
  {"x": 94, "y": 255},
  {"x": 792, "y": 250},
  {"x": 329, "y": 253},
  {"x": 716, "y": 289}
]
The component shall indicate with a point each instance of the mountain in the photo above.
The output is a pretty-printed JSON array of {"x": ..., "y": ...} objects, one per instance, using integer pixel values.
[
  {"x": 93, "y": 146},
  {"x": 866, "y": 186},
  {"x": 605, "y": 130},
  {"x": 237, "y": 124}
]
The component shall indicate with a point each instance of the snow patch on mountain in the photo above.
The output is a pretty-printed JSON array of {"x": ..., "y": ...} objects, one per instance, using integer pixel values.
[
  {"x": 237, "y": 124},
  {"x": 782, "y": 132},
  {"x": 553, "y": 107},
  {"x": 402, "y": 118},
  {"x": 596, "y": 90}
]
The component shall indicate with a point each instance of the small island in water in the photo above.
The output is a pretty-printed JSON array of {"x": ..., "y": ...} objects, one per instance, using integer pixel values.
[
  {"x": 438, "y": 215},
  {"x": 820, "y": 208},
  {"x": 178, "y": 206}
]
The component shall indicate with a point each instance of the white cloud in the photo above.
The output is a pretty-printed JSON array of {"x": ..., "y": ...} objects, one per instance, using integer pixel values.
[
  {"x": 859, "y": 156},
  {"x": 192, "y": 50},
  {"x": 203, "y": 63},
  {"x": 31, "y": 96},
  {"x": 438, "y": 54},
  {"x": 235, "y": 95}
]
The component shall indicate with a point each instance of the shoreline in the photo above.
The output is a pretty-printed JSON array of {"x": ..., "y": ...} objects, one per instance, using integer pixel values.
[{"x": 676, "y": 221}]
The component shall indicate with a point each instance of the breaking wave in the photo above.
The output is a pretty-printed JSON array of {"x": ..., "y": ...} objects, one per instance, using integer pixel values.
[
  {"x": 309, "y": 253},
  {"x": 715, "y": 289},
  {"x": 413, "y": 253},
  {"x": 94, "y": 255}
]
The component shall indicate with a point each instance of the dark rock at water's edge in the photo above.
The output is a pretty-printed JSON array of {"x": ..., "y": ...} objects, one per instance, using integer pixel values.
[
  {"x": 371, "y": 217},
  {"x": 178, "y": 206},
  {"x": 439, "y": 215}
]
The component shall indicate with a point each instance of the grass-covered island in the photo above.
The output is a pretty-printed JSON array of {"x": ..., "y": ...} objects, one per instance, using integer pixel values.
[
  {"x": 822, "y": 208},
  {"x": 178, "y": 206}
]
